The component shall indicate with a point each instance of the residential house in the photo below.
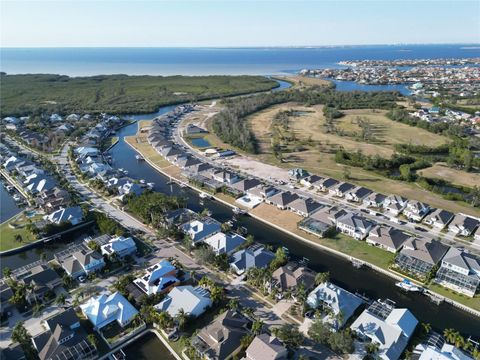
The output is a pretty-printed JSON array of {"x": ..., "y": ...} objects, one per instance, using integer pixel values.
[
  {"x": 341, "y": 189},
  {"x": 416, "y": 210},
  {"x": 226, "y": 177},
  {"x": 325, "y": 184},
  {"x": 179, "y": 216},
  {"x": 282, "y": 199},
  {"x": 262, "y": 192},
  {"x": 185, "y": 162},
  {"x": 387, "y": 238},
  {"x": 254, "y": 256},
  {"x": 394, "y": 204},
  {"x": 43, "y": 280},
  {"x": 82, "y": 262},
  {"x": 104, "y": 310},
  {"x": 291, "y": 275},
  {"x": 337, "y": 300},
  {"x": 120, "y": 246},
  {"x": 192, "y": 129},
  {"x": 446, "y": 352},
  {"x": 439, "y": 218},
  {"x": 463, "y": 225},
  {"x": 194, "y": 301},
  {"x": 265, "y": 346},
  {"x": 221, "y": 339},
  {"x": 389, "y": 328},
  {"x": 358, "y": 194},
  {"x": 199, "y": 229},
  {"x": 200, "y": 167},
  {"x": 64, "y": 339},
  {"x": 53, "y": 199},
  {"x": 72, "y": 215},
  {"x": 374, "y": 199},
  {"x": 459, "y": 271},
  {"x": 246, "y": 184},
  {"x": 354, "y": 225},
  {"x": 38, "y": 183},
  {"x": 83, "y": 152},
  {"x": 310, "y": 180},
  {"x": 130, "y": 188},
  {"x": 304, "y": 207},
  {"x": 222, "y": 243},
  {"x": 322, "y": 221},
  {"x": 419, "y": 256},
  {"x": 159, "y": 278}
]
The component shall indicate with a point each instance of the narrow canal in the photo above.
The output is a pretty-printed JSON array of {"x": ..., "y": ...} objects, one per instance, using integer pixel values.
[{"x": 8, "y": 206}]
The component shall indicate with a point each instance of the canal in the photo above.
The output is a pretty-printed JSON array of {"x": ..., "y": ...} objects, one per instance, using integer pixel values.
[
  {"x": 8, "y": 206},
  {"x": 148, "y": 347}
]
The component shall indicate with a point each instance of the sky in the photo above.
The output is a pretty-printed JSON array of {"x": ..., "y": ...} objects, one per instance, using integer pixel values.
[{"x": 228, "y": 23}]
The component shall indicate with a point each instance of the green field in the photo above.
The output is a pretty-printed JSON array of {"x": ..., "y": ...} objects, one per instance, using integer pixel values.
[
  {"x": 26, "y": 94},
  {"x": 8, "y": 235}
]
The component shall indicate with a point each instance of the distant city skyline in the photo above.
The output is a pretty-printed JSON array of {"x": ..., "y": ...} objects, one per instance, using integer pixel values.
[{"x": 249, "y": 23}]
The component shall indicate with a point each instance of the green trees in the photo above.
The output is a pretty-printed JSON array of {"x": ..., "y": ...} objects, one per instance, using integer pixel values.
[
  {"x": 92, "y": 339},
  {"x": 23, "y": 337},
  {"x": 339, "y": 341},
  {"x": 280, "y": 259},
  {"x": 289, "y": 335},
  {"x": 322, "y": 277},
  {"x": 60, "y": 299},
  {"x": 181, "y": 319}
]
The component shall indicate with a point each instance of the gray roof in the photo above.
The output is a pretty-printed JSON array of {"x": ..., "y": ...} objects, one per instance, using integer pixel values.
[
  {"x": 246, "y": 184},
  {"x": 266, "y": 347},
  {"x": 463, "y": 260},
  {"x": 328, "y": 183},
  {"x": 426, "y": 250},
  {"x": 388, "y": 236},
  {"x": 291, "y": 275},
  {"x": 255, "y": 256},
  {"x": 355, "y": 220},
  {"x": 467, "y": 222},
  {"x": 283, "y": 198},
  {"x": 344, "y": 187},
  {"x": 306, "y": 206},
  {"x": 441, "y": 216},
  {"x": 376, "y": 197}
]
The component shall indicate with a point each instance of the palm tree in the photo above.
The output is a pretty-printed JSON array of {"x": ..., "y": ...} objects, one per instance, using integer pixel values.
[
  {"x": 216, "y": 293},
  {"x": 426, "y": 327},
  {"x": 60, "y": 300},
  {"x": 257, "y": 327},
  {"x": 449, "y": 335},
  {"x": 232, "y": 304},
  {"x": 322, "y": 277},
  {"x": 371, "y": 348},
  {"x": 459, "y": 340},
  {"x": 181, "y": 318},
  {"x": 164, "y": 319}
]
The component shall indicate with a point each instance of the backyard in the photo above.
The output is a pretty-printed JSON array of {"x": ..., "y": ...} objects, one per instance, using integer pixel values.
[{"x": 15, "y": 232}]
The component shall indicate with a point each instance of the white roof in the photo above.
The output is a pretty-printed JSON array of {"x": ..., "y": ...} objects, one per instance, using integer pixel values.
[
  {"x": 193, "y": 300},
  {"x": 447, "y": 352},
  {"x": 105, "y": 309},
  {"x": 224, "y": 243}
]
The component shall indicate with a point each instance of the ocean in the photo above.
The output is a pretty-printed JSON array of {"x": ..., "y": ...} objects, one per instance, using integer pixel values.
[{"x": 208, "y": 61}]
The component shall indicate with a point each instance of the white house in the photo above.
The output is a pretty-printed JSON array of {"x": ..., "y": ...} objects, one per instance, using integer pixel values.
[
  {"x": 354, "y": 225},
  {"x": 416, "y": 210},
  {"x": 200, "y": 229},
  {"x": 73, "y": 215},
  {"x": 193, "y": 300},
  {"x": 104, "y": 310},
  {"x": 159, "y": 278},
  {"x": 463, "y": 225},
  {"x": 120, "y": 246},
  {"x": 439, "y": 218},
  {"x": 394, "y": 204},
  {"x": 222, "y": 243}
]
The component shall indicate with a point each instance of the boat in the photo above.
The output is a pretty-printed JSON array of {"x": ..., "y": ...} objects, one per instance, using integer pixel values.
[
  {"x": 150, "y": 185},
  {"x": 142, "y": 181},
  {"x": 204, "y": 195},
  {"x": 139, "y": 157},
  {"x": 16, "y": 197},
  {"x": 408, "y": 286},
  {"x": 182, "y": 185},
  {"x": 238, "y": 211}
]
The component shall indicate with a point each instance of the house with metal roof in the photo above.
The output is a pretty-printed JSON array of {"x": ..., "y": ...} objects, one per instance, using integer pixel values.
[
  {"x": 386, "y": 326},
  {"x": 104, "y": 310},
  {"x": 439, "y": 218},
  {"x": 72, "y": 215},
  {"x": 419, "y": 256},
  {"x": 222, "y": 243},
  {"x": 387, "y": 238},
  {"x": 194, "y": 301},
  {"x": 337, "y": 300},
  {"x": 459, "y": 271},
  {"x": 463, "y": 225},
  {"x": 200, "y": 229},
  {"x": 254, "y": 256},
  {"x": 266, "y": 347},
  {"x": 354, "y": 225},
  {"x": 446, "y": 352},
  {"x": 120, "y": 246},
  {"x": 159, "y": 278}
]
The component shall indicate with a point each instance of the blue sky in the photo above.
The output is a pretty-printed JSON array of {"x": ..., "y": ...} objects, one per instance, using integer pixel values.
[{"x": 236, "y": 23}]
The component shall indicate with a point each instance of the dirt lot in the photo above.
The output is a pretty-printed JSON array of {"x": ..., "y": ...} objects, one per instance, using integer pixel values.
[{"x": 441, "y": 171}]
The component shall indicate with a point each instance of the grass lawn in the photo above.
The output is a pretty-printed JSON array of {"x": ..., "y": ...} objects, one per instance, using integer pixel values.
[
  {"x": 7, "y": 234},
  {"x": 458, "y": 177},
  {"x": 474, "y": 302}
]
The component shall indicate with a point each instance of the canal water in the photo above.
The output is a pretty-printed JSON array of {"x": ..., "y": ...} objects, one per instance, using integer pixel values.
[
  {"x": 148, "y": 347},
  {"x": 8, "y": 206}
]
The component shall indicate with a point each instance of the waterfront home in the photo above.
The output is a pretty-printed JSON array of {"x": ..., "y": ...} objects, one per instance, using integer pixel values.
[
  {"x": 438, "y": 219},
  {"x": 82, "y": 262},
  {"x": 199, "y": 229},
  {"x": 416, "y": 210},
  {"x": 310, "y": 180},
  {"x": 171, "y": 152},
  {"x": 419, "y": 256},
  {"x": 38, "y": 183},
  {"x": 200, "y": 167},
  {"x": 394, "y": 204},
  {"x": 246, "y": 184},
  {"x": 159, "y": 278},
  {"x": 53, "y": 199},
  {"x": 261, "y": 192},
  {"x": 222, "y": 243},
  {"x": 64, "y": 338},
  {"x": 341, "y": 189},
  {"x": 83, "y": 152},
  {"x": 354, "y": 225},
  {"x": 194, "y": 301},
  {"x": 103, "y": 310},
  {"x": 223, "y": 176},
  {"x": 221, "y": 339},
  {"x": 463, "y": 225},
  {"x": 290, "y": 276},
  {"x": 374, "y": 199},
  {"x": 192, "y": 129},
  {"x": 119, "y": 246},
  {"x": 265, "y": 346},
  {"x": 357, "y": 194},
  {"x": 322, "y": 221},
  {"x": 389, "y": 328},
  {"x": 130, "y": 188},
  {"x": 336, "y": 300},
  {"x": 179, "y": 216},
  {"x": 27, "y": 169},
  {"x": 42, "y": 280},
  {"x": 304, "y": 207},
  {"x": 185, "y": 162},
  {"x": 254, "y": 256},
  {"x": 72, "y": 215},
  {"x": 282, "y": 199},
  {"x": 325, "y": 184},
  {"x": 387, "y": 238},
  {"x": 445, "y": 352},
  {"x": 12, "y": 162},
  {"x": 459, "y": 271}
]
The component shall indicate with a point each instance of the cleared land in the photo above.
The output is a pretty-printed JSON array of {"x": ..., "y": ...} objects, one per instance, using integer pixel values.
[
  {"x": 459, "y": 177},
  {"x": 25, "y": 94}
]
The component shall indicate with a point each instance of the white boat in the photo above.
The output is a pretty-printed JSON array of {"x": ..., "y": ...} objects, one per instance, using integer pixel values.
[
  {"x": 408, "y": 286},
  {"x": 150, "y": 185},
  {"x": 204, "y": 195},
  {"x": 16, "y": 197},
  {"x": 139, "y": 157},
  {"x": 238, "y": 211},
  {"x": 142, "y": 181}
]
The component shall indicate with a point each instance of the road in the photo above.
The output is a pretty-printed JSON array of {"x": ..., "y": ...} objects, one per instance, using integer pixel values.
[{"x": 448, "y": 238}]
